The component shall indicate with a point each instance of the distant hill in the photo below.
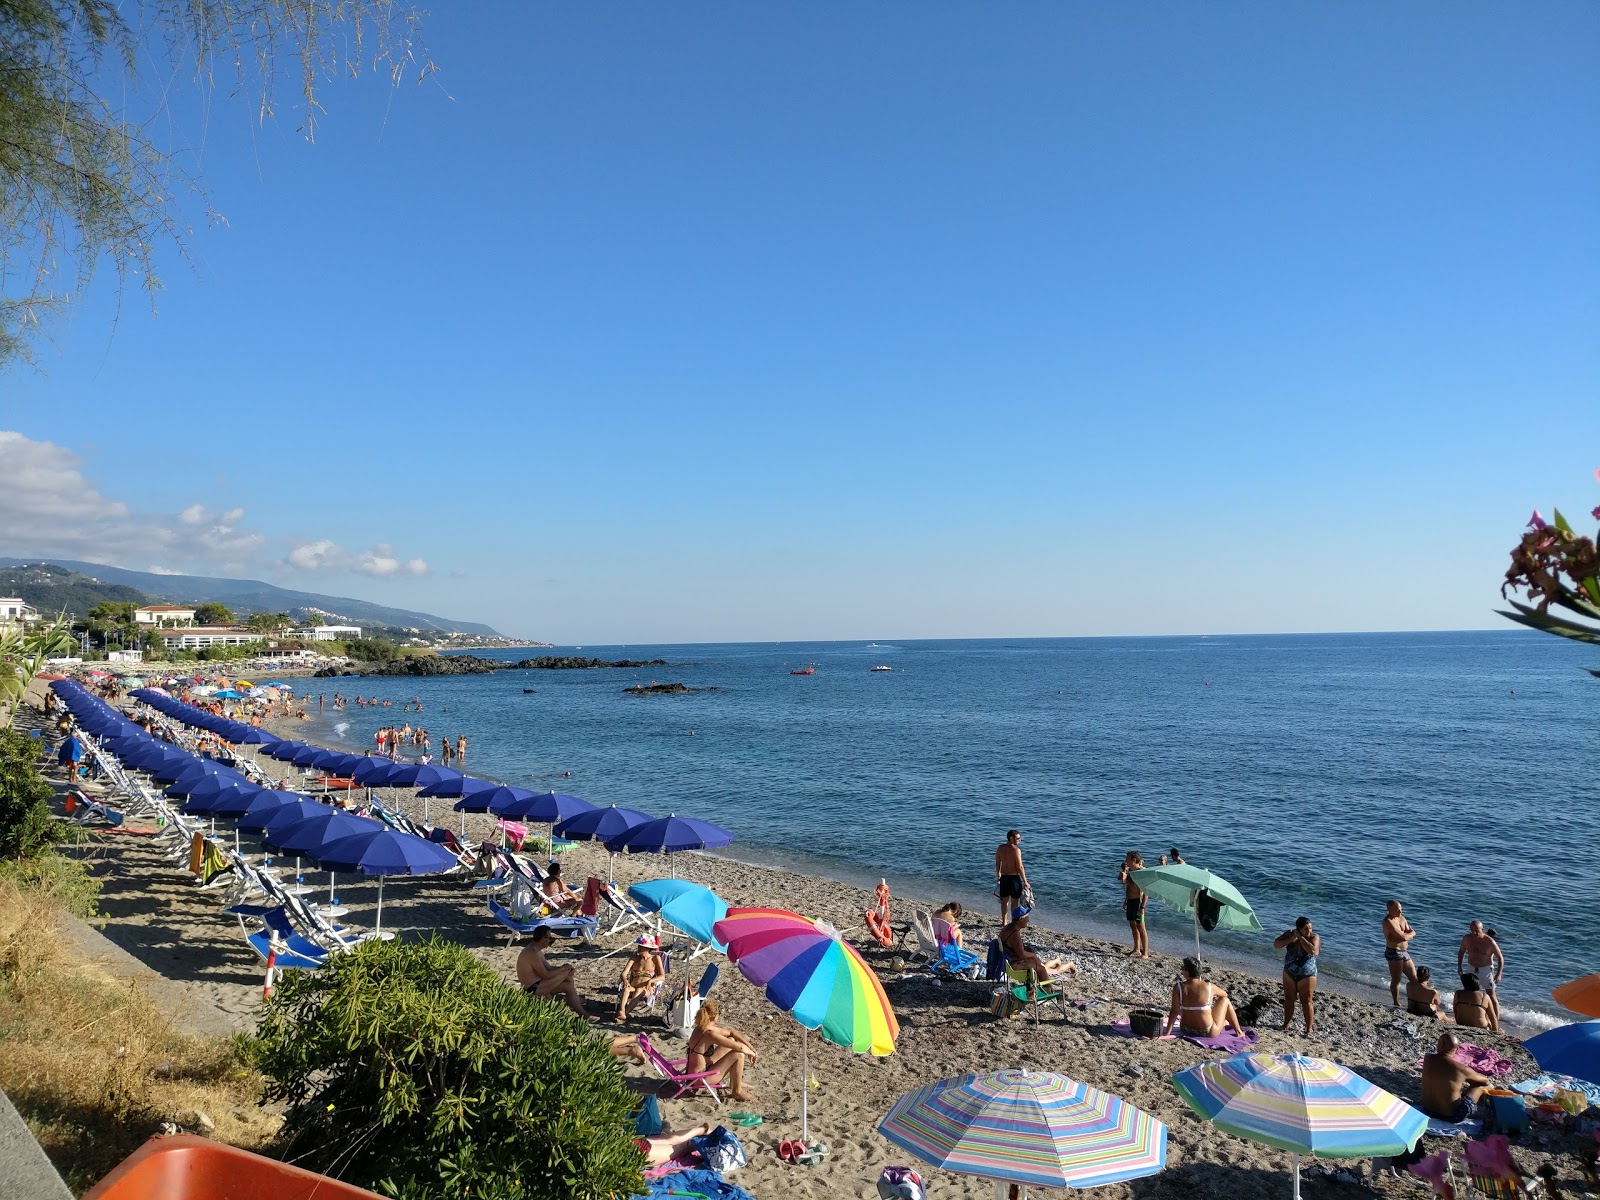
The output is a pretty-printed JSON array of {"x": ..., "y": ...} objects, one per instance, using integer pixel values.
[
  {"x": 51, "y": 588},
  {"x": 241, "y": 595}
]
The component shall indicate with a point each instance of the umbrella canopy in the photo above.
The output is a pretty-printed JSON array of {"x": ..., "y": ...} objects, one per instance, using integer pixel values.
[
  {"x": 1177, "y": 884},
  {"x": 600, "y": 824},
  {"x": 285, "y": 751},
  {"x": 812, "y": 974},
  {"x": 286, "y": 819},
  {"x": 503, "y": 801},
  {"x": 236, "y": 801},
  {"x": 691, "y": 907},
  {"x": 552, "y": 808},
  {"x": 270, "y": 805},
  {"x": 474, "y": 794},
  {"x": 1028, "y": 1127},
  {"x": 463, "y": 785},
  {"x": 418, "y": 775},
  {"x": 1581, "y": 996},
  {"x": 1569, "y": 1050},
  {"x": 312, "y": 834},
  {"x": 1303, "y": 1105},
  {"x": 374, "y": 772},
  {"x": 668, "y": 835},
  {"x": 227, "y": 694},
  {"x": 386, "y": 852}
]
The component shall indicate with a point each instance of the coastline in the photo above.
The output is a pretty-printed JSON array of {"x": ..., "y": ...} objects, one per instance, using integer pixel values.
[{"x": 946, "y": 1027}]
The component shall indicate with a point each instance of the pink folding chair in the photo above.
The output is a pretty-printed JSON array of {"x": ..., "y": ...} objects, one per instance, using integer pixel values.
[{"x": 673, "y": 1071}]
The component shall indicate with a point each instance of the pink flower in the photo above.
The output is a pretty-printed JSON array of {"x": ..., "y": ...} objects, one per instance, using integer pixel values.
[
  {"x": 1595, "y": 512},
  {"x": 1536, "y": 521}
]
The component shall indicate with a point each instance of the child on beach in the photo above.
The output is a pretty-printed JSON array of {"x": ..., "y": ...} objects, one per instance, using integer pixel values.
[{"x": 1134, "y": 899}]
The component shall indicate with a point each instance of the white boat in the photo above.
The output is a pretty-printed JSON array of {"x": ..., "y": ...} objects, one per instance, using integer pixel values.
[{"x": 882, "y": 668}]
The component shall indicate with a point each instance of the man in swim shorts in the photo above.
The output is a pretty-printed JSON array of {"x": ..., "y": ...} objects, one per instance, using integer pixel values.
[
  {"x": 1480, "y": 955},
  {"x": 1397, "y": 935},
  {"x": 1450, "y": 1091},
  {"x": 1010, "y": 876},
  {"x": 1133, "y": 901}
]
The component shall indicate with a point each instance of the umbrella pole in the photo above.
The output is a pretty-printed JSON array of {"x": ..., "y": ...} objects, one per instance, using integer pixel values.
[
  {"x": 378, "y": 928},
  {"x": 424, "y": 810},
  {"x": 1296, "y": 1170},
  {"x": 805, "y": 1087},
  {"x": 1197, "y": 932},
  {"x": 331, "y": 900}
]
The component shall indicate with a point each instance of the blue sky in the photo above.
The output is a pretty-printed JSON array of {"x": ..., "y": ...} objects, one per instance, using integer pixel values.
[{"x": 728, "y": 322}]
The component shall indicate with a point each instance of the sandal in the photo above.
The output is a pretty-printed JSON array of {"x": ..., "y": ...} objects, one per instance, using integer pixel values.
[
  {"x": 813, "y": 1156},
  {"x": 746, "y": 1120},
  {"x": 789, "y": 1151}
]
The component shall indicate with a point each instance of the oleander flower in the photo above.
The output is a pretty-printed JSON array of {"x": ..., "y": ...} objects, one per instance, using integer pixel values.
[{"x": 1536, "y": 521}]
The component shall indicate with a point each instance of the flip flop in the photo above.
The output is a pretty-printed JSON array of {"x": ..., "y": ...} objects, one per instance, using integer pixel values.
[
  {"x": 789, "y": 1151},
  {"x": 746, "y": 1120},
  {"x": 813, "y": 1156}
]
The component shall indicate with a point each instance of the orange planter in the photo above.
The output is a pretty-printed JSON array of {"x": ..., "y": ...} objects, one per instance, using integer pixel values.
[{"x": 186, "y": 1167}]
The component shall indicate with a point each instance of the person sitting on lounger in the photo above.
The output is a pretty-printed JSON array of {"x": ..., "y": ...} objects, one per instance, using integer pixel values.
[
  {"x": 1450, "y": 1091},
  {"x": 950, "y": 914},
  {"x": 1021, "y": 956},
  {"x": 713, "y": 1047},
  {"x": 640, "y": 974},
  {"x": 1199, "y": 1007},
  {"x": 557, "y": 895},
  {"x": 1422, "y": 998},
  {"x": 536, "y": 976},
  {"x": 1476, "y": 1008}
]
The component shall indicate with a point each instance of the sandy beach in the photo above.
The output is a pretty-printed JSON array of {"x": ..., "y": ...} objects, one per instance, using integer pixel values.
[{"x": 159, "y": 916}]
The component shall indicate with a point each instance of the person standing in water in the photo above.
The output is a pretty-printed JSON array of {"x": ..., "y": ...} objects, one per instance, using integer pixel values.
[
  {"x": 1133, "y": 902},
  {"x": 461, "y": 749},
  {"x": 1397, "y": 935}
]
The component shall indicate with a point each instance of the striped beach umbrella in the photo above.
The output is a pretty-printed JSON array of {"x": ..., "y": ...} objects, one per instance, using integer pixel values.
[
  {"x": 815, "y": 976},
  {"x": 1303, "y": 1105},
  {"x": 1028, "y": 1127}
]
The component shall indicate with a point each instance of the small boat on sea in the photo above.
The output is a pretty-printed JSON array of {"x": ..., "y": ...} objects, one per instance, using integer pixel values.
[
  {"x": 807, "y": 671},
  {"x": 882, "y": 668}
]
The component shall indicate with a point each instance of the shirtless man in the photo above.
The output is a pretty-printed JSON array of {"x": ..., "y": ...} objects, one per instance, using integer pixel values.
[
  {"x": 1021, "y": 956},
  {"x": 1449, "y": 1090},
  {"x": 1010, "y": 876},
  {"x": 536, "y": 976},
  {"x": 1482, "y": 956},
  {"x": 1134, "y": 900},
  {"x": 1397, "y": 935}
]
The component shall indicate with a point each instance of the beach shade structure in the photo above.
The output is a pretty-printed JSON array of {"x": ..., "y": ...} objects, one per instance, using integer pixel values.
[
  {"x": 228, "y": 694},
  {"x": 204, "y": 798},
  {"x": 669, "y": 835},
  {"x": 419, "y": 775},
  {"x": 202, "y": 770},
  {"x": 1581, "y": 996},
  {"x": 1180, "y": 885},
  {"x": 1569, "y": 1050},
  {"x": 373, "y": 772},
  {"x": 475, "y": 794},
  {"x": 808, "y": 971},
  {"x": 599, "y": 825},
  {"x": 249, "y": 735},
  {"x": 687, "y": 906},
  {"x": 1302, "y": 1105},
  {"x": 551, "y": 808},
  {"x": 309, "y": 756},
  {"x": 269, "y": 804},
  {"x": 236, "y": 801},
  {"x": 285, "y": 751},
  {"x": 305, "y": 838},
  {"x": 449, "y": 789},
  {"x": 387, "y": 852},
  {"x": 1028, "y": 1127}
]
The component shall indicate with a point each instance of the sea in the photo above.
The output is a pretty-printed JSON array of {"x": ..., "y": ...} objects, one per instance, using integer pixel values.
[{"x": 1320, "y": 774}]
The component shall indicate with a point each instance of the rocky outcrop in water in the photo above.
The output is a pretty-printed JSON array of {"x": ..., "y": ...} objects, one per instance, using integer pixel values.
[
  {"x": 550, "y": 662},
  {"x": 439, "y": 664},
  {"x": 663, "y": 689}
]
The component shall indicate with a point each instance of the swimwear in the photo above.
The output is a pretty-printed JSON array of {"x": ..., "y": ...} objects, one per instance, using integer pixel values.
[
  {"x": 1395, "y": 954},
  {"x": 1010, "y": 887},
  {"x": 1485, "y": 975},
  {"x": 1464, "y": 1108},
  {"x": 1134, "y": 909},
  {"x": 1420, "y": 1008},
  {"x": 1298, "y": 963}
]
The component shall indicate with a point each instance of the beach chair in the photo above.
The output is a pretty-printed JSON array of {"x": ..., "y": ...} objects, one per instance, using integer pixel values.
[
  {"x": 627, "y": 912},
  {"x": 675, "y": 1072},
  {"x": 1027, "y": 991},
  {"x": 955, "y": 963},
  {"x": 276, "y": 942},
  {"x": 1491, "y": 1171},
  {"x": 585, "y": 925},
  {"x": 927, "y": 943},
  {"x": 89, "y": 811}
]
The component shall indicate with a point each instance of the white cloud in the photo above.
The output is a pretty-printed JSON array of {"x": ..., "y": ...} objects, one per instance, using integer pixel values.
[
  {"x": 157, "y": 569},
  {"x": 317, "y": 556},
  {"x": 380, "y": 561},
  {"x": 193, "y": 515}
]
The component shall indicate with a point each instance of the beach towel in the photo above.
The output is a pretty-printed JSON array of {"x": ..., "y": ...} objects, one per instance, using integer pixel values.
[
  {"x": 1469, "y": 1128},
  {"x": 1483, "y": 1060},
  {"x": 1123, "y": 1028},
  {"x": 1546, "y": 1085},
  {"x": 1233, "y": 1043},
  {"x": 704, "y": 1183}
]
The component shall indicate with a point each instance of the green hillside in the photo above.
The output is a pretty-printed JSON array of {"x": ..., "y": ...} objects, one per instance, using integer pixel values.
[{"x": 50, "y": 589}]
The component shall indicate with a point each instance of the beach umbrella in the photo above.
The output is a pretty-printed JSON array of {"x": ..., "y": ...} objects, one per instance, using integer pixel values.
[
  {"x": 1028, "y": 1127},
  {"x": 373, "y": 772},
  {"x": 227, "y": 694},
  {"x": 669, "y": 835},
  {"x": 1177, "y": 885},
  {"x": 1581, "y": 996},
  {"x": 205, "y": 768},
  {"x": 1302, "y": 1105},
  {"x": 236, "y": 801},
  {"x": 387, "y": 852},
  {"x": 462, "y": 785},
  {"x": 209, "y": 787},
  {"x": 815, "y": 976},
  {"x": 691, "y": 907},
  {"x": 419, "y": 775},
  {"x": 270, "y": 803},
  {"x": 599, "y": 825},
  {"x": 1569, "y": 1050},
  {"x": 552, "y": 808},
  {"x": 310, "y": 835},
  {"x": 285, "y": 751}
]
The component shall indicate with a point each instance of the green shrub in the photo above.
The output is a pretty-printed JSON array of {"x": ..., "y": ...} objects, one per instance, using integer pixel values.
[
  {"x": 27, "y": 827},
  {"x": 413, "y": 1069},
  {"x": 63, "y": 879}
]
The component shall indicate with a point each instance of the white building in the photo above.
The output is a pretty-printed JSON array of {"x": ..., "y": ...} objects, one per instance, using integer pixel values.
[
  {"x": 330, "y": 633},
  {"x": 124, "y": 656},
  {"x": 195, "y": 637},
  {"x": 14, "y": 610},
  {"x": 163, "y": 615}
]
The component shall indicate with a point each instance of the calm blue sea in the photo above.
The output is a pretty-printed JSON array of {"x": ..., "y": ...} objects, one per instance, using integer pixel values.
[{"x": 1459, "y": 772}]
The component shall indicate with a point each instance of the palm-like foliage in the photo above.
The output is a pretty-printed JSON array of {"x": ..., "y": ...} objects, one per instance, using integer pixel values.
[
  {"x": 1558, "y": 569},
  {"x": 22, "y": 655}
]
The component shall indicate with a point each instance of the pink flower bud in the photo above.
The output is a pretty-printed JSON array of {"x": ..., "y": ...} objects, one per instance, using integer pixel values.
[{"x": 1536, "y": 521}]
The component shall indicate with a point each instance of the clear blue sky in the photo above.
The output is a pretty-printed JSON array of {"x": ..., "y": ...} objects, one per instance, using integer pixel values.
[{"x": 728, "y": 321}]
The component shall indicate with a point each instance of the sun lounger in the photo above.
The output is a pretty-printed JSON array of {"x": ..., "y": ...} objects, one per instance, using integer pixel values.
[
  {"x": 628, "y": 913},
  {"x": 586, "y": 924},
  {"x": 277, "y": 943},
  {"x": 676, "y": 1073}
]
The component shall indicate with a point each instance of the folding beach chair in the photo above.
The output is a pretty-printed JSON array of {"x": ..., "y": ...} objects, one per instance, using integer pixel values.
[
  {"x": 955, "y": 963},
  {"x": 89, "y": 811},
  {"x": 585, "y": 925},
  {"x": 276, "y": 942},
  {"x": 628, "y": 913},
  {"x": 927, "y": 943},
  {"x": 1027, "y": 991},
  {"x": 675, "y": 1072}
]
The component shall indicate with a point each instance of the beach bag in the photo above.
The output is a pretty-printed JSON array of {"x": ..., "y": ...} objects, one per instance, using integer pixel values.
[
  {"x": 994, "y": 969},
  {"x": 1207, "y": 910},
  {"x": 1027, "y": 896},
  {"x": 721, "y": 1150},
  {"x": 900, "y": 1183},
  {"x": 1504, "y": 1112},
  {"x": 681, "y": 1012},
  {"x": 1004, "y": 1003}
]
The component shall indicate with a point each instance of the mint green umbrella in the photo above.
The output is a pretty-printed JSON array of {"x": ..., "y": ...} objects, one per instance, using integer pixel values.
[{"x": 1178, "y": 884}]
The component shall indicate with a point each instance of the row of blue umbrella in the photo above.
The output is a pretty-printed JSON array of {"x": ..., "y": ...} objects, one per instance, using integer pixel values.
[
  {"x": 620, "y": 830},
  {"x": 335, "y": 840}
]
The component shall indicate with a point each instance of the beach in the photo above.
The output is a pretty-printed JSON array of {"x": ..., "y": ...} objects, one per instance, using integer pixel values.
[{"x": 158, "y": 915}]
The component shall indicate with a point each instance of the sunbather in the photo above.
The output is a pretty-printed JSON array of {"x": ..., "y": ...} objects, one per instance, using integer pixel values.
[
  {"x": 1476, "y": 1008},
  {"x": 713, "y": 1047},
  {"x": 1449, "y": 1090},
  {"x": 537, "y": 976},
  {"x": 640, "y": 974},
  {"x": 1200, "y": 1007},
  {"x": 665, "y": 1146},
  {"x": 1021, "y": 956},
  {"x": 951, "y": 914},
  {"x": 557, "y": 894},
  {"x": 627, "y": 1046},
  {"x": 1422, "y": 998}
]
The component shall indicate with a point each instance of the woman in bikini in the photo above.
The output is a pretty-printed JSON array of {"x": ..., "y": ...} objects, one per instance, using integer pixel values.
[
  {"x": 1476, "y": 1008},
  {"x": 1300, "y": 947},
  {"x": 640, "y": 973},
  {"x": 1199, "y": 1007},
  {"x": 725, "y": 1051},
  {"x": 1422, "y": 998}
]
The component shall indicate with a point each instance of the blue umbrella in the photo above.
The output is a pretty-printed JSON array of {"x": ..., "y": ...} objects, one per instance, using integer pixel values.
[
  {"x": 375, "y": 771},
  {"x": 227, "y": 694},
  {"x": 206, "y": 768},
  {"x": 206, "y": 803},
  {"x": 683, "y": 905},
  {"x": 208, "y": 787},
  {"x": 171, "y": 766},
  {"x": 600, "y": 824},
  {"x": 465, "y": 785},
  {"x": 668, "y": 835},
  {"x": 284, "y": 820},
  {"x": 306, "y": 756},
  {"x": 285, "y": 751},
  {"x": 387, "y": 852},
  {"x": 1569, "y": 1050},
  {"x": 552, "y": 808},
  {"x": 308, "y": 836},
  {"x": 269, "y": 804},
  {"x": 419, "y": 775},
  {"x": 236, "y": 801},
  {"x": 479, "y": 799}
]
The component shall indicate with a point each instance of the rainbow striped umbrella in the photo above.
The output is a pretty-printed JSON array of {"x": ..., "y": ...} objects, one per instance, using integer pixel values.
[
  {"x": 1028, "y": 1127},
  {"x": 1303, "y": 1105},
  {"x": 815, "y": 976}
]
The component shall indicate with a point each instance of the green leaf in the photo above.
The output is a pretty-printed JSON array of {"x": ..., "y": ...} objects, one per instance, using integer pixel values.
[{"x": 1560, "y": 522}]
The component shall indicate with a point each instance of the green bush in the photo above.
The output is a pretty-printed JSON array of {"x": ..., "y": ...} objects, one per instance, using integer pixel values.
[
  {"x": 27, "y": 827},
  {"x": 413, "y": 1069},
  {"x": 64, "y": 879}
]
